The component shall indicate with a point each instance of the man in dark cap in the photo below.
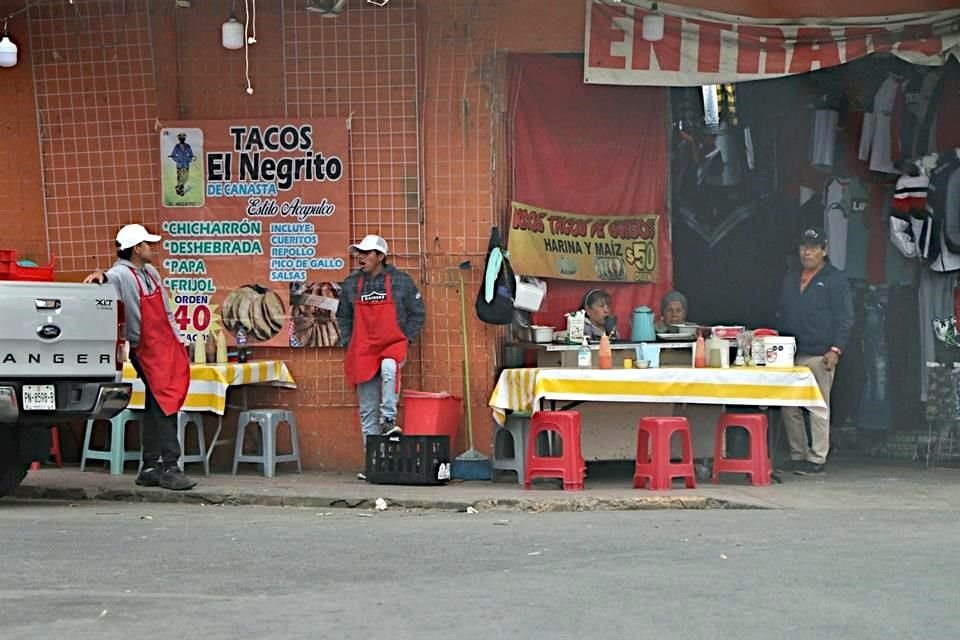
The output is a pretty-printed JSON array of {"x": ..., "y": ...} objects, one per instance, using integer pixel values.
[{"x": 815, "y": 308}]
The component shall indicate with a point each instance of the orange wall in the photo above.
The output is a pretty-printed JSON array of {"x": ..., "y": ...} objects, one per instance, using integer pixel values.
[
  {"x": 421, "y": 85},
  {"x": 21, "y": 202}
]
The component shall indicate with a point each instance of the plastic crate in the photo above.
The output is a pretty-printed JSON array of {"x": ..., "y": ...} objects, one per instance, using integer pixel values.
[
  {"x": 10, "y": 270},
  {"x": 419, "y": 460}
]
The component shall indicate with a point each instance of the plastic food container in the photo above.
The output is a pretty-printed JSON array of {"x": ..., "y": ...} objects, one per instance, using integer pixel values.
[{"x": 542, "y": 334}]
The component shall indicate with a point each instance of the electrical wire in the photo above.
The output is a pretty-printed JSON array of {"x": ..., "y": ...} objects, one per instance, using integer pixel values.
[
  {"x": 23, "y": 9},
  {"x": 253, "y": 38},
  {"x": 247, "y": 42}
]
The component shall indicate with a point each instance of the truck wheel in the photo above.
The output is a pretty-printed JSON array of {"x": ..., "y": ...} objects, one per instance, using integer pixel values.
[
  {"x": 12, "y": 469},
  {"x": 11, "y": 475}
]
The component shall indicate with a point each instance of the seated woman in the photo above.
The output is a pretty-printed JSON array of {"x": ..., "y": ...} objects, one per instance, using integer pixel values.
[
  {"x": 596, "y": 305},
  {"x": 673, "y": 310}
]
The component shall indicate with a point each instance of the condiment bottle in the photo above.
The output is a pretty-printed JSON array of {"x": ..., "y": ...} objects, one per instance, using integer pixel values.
[
  {"x": 584, "y": 359},
  {"x": 241, "y": 346},
  {"x": 700, "y": 353},
  {"x": 199, "y": 350},
  {"x": 211, "y": 347},
  {"x": 221, "y": 348},
  {"x": 605, "y": 359}
]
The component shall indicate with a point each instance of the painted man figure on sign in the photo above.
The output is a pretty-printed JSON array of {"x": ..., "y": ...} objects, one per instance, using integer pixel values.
[
  {"x": 156, "y": 352},
  {"x": 380, "y": 314},
  {"x": 182, "y": 155}
]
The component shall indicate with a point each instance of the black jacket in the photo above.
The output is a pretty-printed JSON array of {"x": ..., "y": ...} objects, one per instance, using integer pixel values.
[
  {"x": 411, "y": 314},
  {"x": 819, "y": 317}
]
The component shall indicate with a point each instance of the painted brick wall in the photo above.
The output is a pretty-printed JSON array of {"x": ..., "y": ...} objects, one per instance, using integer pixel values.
[{"x": 22, "y": 224}]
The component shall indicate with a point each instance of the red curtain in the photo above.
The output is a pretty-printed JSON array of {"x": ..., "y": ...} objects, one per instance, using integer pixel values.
[{"x": 590, "y": 149}]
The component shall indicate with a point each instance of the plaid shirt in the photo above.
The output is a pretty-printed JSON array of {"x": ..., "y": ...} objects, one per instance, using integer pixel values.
[{"x": 410, "y": 310}]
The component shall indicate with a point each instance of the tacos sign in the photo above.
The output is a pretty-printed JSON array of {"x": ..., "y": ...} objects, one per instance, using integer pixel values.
[{"x": 256, "y": 220}]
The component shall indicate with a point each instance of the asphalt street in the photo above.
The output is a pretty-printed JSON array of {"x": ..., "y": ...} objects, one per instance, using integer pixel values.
[{"x": 103, "y": 570}]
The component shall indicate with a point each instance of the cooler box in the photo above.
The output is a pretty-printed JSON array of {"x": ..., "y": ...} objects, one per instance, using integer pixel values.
[{"x": 430, "y": 414}]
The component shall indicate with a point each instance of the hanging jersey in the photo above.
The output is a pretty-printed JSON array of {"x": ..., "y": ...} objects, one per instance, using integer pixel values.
[
  {"x": 911, "y": 193},
  {"x": 879, "y": 138},
  {"x": 823, "y": 139},
  {"x": 845, "y": 205}
]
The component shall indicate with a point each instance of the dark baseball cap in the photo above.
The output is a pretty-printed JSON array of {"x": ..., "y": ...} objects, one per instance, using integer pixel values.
[{"x": 813, "y": 237}]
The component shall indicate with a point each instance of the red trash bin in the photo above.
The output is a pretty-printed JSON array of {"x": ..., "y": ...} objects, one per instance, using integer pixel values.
[{"x": 430, "y": 414}]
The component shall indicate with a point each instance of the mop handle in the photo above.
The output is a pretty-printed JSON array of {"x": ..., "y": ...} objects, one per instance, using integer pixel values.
[{"x": 466, "y": 364}]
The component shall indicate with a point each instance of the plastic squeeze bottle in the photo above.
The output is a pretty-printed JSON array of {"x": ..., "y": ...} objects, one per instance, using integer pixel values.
[
  {"x": 584, "y": 359},
  {"x": 221, "y": 348},
  {"x": 699, "y": 354},
  {"x": 200, "y": 350},
  {"x": 606, "y": 354}
]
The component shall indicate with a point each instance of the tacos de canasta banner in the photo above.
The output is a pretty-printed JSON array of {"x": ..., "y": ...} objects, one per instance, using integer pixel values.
[
  {"x": 556, "y": 244},
  {"x": 255, "y": 228}
]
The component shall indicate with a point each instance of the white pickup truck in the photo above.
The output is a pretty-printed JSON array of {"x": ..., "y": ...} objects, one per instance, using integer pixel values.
[{"x": 61, "y": 348}]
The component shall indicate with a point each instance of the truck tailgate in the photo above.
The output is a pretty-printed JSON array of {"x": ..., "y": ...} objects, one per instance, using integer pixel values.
[{"x": 57, "y": 330}]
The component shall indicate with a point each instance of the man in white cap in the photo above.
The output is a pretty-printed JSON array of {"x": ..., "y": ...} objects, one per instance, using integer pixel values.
[
  {"x": 156, "y": 352},
  {"x": 380, "y": 314}
]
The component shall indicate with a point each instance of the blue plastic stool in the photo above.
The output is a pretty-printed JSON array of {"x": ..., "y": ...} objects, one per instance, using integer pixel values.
[
  {"x": 117, "y": 454},
  {"x": 268, "y": 420}
]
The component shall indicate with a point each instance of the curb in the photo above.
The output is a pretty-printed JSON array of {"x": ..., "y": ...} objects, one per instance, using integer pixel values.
[{"x": 552, "y": 504}]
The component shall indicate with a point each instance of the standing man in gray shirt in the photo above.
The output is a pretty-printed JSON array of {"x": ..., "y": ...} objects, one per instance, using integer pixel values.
[{"x": 156, "y": 352}]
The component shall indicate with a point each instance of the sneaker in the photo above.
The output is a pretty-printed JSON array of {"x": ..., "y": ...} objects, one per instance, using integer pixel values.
[
  {"x": 174, "y": 479},
  {"x": 361, "y": 476},
  {"x": 148, "y": 477},
  {"x": 786, "y": 466},
  {"x": 807, "y": 468},
  {"x": 389, "y": 427}
]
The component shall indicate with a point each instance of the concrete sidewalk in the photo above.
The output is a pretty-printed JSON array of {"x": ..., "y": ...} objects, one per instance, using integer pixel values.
[{"x": 847, "y": 484}]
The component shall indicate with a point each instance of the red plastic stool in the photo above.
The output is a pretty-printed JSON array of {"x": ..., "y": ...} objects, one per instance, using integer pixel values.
[
  {"x": 653, "y": 454},
  {"x": 54, "y": 449},
  {"x": 757, "y": 466},
  {"x": 569, "y": 465}
]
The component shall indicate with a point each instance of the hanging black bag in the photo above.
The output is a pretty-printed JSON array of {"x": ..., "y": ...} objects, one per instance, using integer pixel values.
[{"x": 499, "y": 309}]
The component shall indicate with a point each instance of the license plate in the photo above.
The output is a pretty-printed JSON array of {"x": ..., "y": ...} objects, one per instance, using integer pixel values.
[{"x": 39, "y": 397}]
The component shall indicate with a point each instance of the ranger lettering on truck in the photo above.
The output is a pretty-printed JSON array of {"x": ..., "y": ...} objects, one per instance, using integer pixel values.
[{"x": 57, "y": 358}]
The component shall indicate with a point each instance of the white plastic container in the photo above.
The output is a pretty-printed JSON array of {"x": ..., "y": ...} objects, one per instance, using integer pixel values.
[
  {"x": 774, "y": 351},
  {"x": 541, "y": 333},
  {"x": 530, "y": 294}
]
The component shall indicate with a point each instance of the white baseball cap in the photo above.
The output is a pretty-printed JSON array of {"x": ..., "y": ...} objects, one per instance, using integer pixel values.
[
  {"x": 133, "y": 234},
  {"x": 371, "y": 243}
]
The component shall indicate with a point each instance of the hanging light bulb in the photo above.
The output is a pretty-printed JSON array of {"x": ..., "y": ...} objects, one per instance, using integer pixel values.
[
  {"x": 8, "y": 50},
  {"x": 653, "y": 25},
  {"x": 232, "y": 32}
]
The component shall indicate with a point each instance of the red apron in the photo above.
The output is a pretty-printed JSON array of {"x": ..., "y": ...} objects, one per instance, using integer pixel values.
[
  {"x": 160, "y": 354},
  {"x": 376, "y": 336}
]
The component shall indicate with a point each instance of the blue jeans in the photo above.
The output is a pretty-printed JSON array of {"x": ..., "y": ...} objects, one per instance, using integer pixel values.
[{"x": 378, "y": 398}]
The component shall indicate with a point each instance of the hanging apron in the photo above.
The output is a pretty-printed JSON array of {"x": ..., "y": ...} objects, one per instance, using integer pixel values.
[
  {"x": 376, "y": 336},
  {"x": 160, "y": 354}
]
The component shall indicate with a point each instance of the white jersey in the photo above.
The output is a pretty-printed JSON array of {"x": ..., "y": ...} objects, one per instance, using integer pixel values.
[{"x": 877, "y": 139}]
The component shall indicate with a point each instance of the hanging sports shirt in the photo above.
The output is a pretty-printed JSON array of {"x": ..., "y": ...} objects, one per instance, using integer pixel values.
[
  {"x": 845, "y": 206},
  {"x": 879, "y": 138}
]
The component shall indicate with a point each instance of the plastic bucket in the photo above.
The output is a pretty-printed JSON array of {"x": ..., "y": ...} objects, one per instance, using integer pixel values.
[{"x": 430, "y": 414}]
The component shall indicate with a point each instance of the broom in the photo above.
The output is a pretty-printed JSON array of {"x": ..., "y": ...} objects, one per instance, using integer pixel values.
[{"x": 471, "y": 465}]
